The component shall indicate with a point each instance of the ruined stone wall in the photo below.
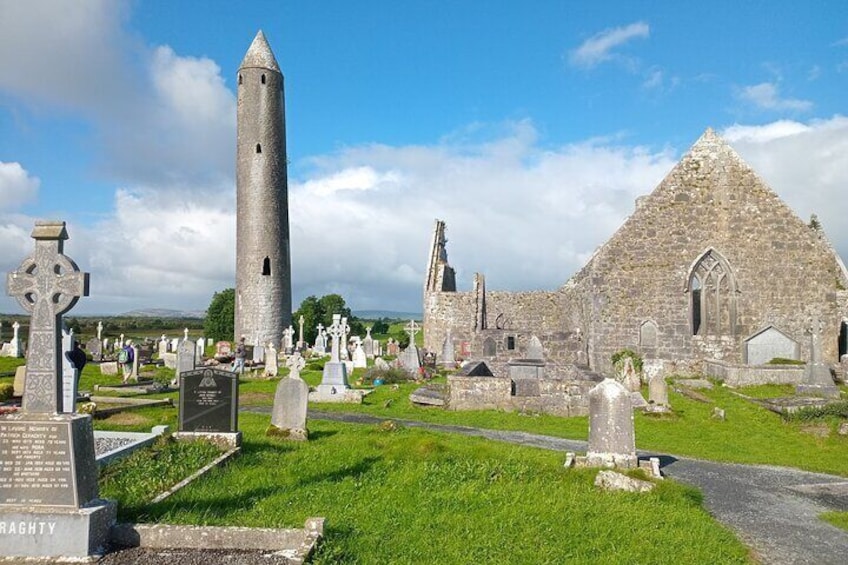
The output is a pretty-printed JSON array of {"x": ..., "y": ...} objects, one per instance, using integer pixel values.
[{"x": 784, "y": 272}]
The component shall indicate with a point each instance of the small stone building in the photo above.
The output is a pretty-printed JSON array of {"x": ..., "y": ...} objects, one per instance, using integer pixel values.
[{"x": 711, "y": 265}]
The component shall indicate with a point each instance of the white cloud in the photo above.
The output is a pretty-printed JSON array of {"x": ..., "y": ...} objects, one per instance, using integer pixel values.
[
  {"x": 17, "y": 187},
  {"x": 599, "y": 48},
  {"x": 766, "y": 96},
  {"x": 806, "y": 164}
]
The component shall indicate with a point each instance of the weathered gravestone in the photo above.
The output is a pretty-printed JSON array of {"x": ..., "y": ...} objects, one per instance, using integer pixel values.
[
  {"x": 612, "y": 441},
  {"x": 272, "y": 361},
  {"x": 368, "y": 344},
  {"x": 186, "y": 356},
  {"x": 20, "y": 378},
  {"x": 360, "y": 360},
  {"x": 209, "y": 405},
  {"x": 658, "y": 394},
  {"x": 49, "y": 506},
  {"x": 291, "y": 400},
  {"x": 817, "y": 378},
  {"x": 448, "y": 357},
  {"x": 410, "y": 358},
  {"x": 320, "y": 346},
  {"x": 95, "y": 347}
]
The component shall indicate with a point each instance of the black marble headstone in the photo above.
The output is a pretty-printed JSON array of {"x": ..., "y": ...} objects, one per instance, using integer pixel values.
[{"x": 208, "y": 401}]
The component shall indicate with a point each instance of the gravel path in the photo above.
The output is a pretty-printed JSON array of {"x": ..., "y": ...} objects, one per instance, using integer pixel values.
[{"x": 773, "y": 509}]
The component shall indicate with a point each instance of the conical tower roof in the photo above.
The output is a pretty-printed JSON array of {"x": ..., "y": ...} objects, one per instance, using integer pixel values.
[{"x": 260, "y": 55}]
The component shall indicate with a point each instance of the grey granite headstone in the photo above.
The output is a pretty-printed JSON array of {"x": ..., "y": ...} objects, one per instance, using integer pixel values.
[
  {"x": 334, "y": 379},
  {"x": 448, "y": 356},
  {"x": 658, "y": 394},
  {"x": 289, "y": 411},
  {"x": 612, "y": 441},
  {"x": 368, "y": 344},
  {"x": 95, "y": 347},
  {"x": 49, "y": 506},
  {"x": 186, "y": 356},
  {"x": 817, "y": 378}
]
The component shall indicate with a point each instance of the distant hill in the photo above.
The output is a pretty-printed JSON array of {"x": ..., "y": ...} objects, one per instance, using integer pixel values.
[
  {"x": 390, "y": 314},
  {"x": 164, "y": 313}
]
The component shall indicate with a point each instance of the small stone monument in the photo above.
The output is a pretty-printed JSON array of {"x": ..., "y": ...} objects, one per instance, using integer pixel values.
[
  {"x": 344, "y": 354},
  {"x": 817, "y": 378},
  {"x": 360, "y": 360},
  {"x": 410, "y": 358},
  {"x": 272, "y": 363},
  {"x": 300, "y": 343},
  {"x": 320, "y": 346},
  {"x": 49, "y": 505},
  {"x": 448, "y": 356},
  {"x": 288, "y": 340},
  {"x": 17, "y": 349},
  {"x": 290, "y": 402},
  {"x": 334, "y": 386},
  {"x": 612, "y": 441},
  {"x": 368, "y": 344},
  {"x": 209, "y": 406},
  {"x": 201, "y": 348},
  {"x": 628, "y": 376},
  {"x": 658, "y": 394},
  {"x": 186, "y": 357},
  {"x": 95, "y": 347},
  {"x": 100, "y": 330}
]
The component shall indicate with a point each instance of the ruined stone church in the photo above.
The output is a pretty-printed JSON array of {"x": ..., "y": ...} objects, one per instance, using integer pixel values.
[{"x": 712, "y": 265}]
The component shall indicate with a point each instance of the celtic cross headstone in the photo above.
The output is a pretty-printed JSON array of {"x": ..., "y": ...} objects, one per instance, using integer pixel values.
[
  {"x": 47, "y": 284},
  {"x": 48, "y": 475}
]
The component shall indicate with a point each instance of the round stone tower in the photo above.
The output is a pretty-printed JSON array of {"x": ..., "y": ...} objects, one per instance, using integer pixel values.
[{"x": 263, "y": 259}]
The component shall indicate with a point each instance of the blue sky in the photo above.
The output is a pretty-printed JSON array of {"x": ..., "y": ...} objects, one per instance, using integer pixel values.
[{"x": 530, "y": 128}]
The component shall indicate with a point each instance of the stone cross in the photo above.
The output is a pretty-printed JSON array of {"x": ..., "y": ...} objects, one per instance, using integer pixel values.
[
  {"x": 295, "y": 363},
  {"x": 412, "y": 328},
  {"x": 300, "y": 332},
  {"x": 121, "y": 343},
  {"x": 815, "y": 330},
  {"x": 368, "y": 332},
  {"x": 185, "y": 334},
  {"x": 335, "y": 331},
  {"x": 15, "y": 327},
  {"x": 100, "y": 330},
  {"x": 47, "y": 284},
  {"x": 345, "y": 354}
]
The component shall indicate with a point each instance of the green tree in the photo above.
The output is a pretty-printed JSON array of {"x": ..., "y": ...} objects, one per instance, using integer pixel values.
[
  {"x": 333, "y": 304},
  {"x": 221, "y": 315},
  {"x": 313, "y": 314},
  {"x": 380, "y": 326}
]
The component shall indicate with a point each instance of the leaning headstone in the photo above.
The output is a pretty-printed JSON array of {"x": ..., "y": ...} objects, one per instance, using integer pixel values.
[
  {"x": 186, "y": 357},
  {"x": 657, "y": 394},
  {"x": 628, "y": 377},
  {"x": 95, "y": 347},
  {"x": 817, "y": 378},
  {"x": 360, "y": 360},
  {"x": 289, "y": 412},
  {"x": 49, "y": 505},
  {"x": 612, "y": 441},
  {"x": 209, "y": 406}
]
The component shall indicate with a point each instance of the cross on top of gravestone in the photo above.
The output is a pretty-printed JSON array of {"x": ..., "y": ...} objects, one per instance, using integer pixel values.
[
  {"x": 47, "y": 284},
  {"x": 335, "y": 331},
  {"x": 412, "y": 328}
]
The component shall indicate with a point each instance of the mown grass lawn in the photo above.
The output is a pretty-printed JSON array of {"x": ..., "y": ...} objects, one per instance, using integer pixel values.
[{"x": 412, "y": 496}]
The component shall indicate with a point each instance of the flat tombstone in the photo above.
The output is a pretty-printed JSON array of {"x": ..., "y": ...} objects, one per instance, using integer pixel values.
[
  {"x": 290, "y": 403},
  {"x": 208, "y": 401},
  {"x": 95, "y": 347}
]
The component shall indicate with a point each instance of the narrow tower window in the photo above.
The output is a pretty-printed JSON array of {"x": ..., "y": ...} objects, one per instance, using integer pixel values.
[
  {"x": 266, "y": 266},
  {"x": 263, "y": 78},
  {"x": 259, "y": 148},
  {"x": 240, "y": 78}
]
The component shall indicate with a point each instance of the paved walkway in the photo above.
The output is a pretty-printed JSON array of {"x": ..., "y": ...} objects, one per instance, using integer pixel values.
[{"x": 773, "y": 509}]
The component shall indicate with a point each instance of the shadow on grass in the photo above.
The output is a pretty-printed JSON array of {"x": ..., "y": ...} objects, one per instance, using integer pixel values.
[
  {"x": 219, "y": 506},
  {"x": 361, "y": 467},
  {"x": 321, "y": 434}
]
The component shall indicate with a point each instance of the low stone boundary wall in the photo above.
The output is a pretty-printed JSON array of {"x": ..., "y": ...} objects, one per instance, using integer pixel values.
[
  {"x": 479, "y": 393},
  {"x": 750, "y": 375}
]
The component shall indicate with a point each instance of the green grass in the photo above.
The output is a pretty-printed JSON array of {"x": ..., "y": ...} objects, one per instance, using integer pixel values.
[
  {"x": 411, "y": 496},
  {"x": 838, "y": 519}
]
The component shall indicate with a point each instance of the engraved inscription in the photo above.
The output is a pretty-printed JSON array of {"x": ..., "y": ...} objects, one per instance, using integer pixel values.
[{"x": 35, "y": 464}]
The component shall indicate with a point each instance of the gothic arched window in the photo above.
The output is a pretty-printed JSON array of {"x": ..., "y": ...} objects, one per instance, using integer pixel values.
[{"x": 712, "y": 290}]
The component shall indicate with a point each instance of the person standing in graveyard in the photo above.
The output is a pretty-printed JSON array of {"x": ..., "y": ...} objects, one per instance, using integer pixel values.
[
  {"x": 125, "y": 358},
  {"x": 77, "y": 357},
  {"x": 241, "y": 354}
]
